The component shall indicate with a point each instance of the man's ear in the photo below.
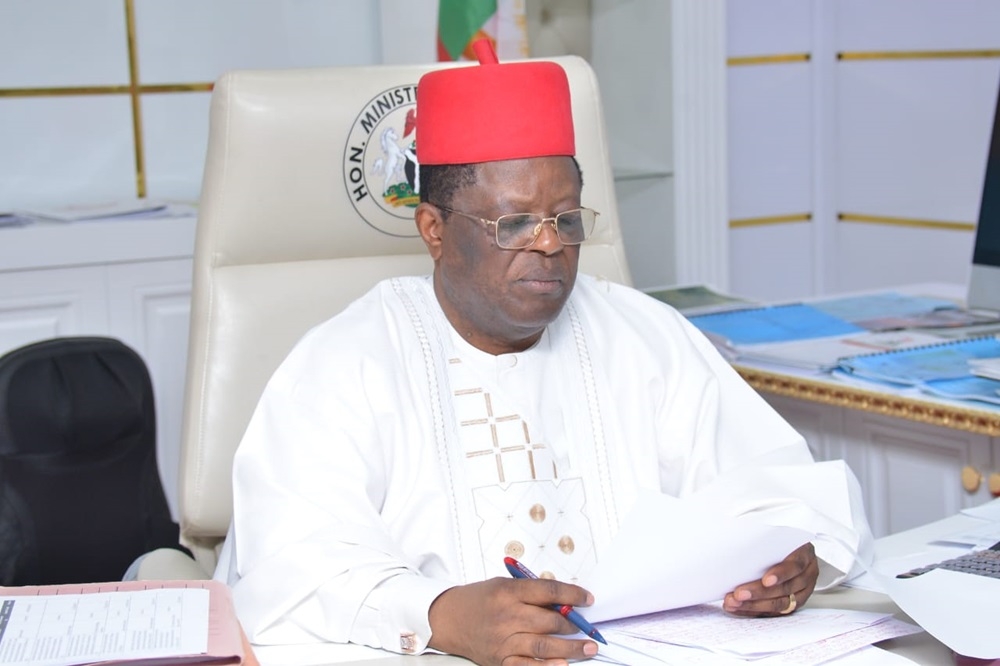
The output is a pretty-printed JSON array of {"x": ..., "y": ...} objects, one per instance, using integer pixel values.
[{"x": 430, "y": 226}]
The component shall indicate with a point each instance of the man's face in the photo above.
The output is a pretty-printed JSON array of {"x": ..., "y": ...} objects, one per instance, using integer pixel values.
[{"x": 501, "y": 300}]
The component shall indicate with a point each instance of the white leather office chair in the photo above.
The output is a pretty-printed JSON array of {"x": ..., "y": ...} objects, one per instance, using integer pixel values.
[{"x": 292, "y": 226}]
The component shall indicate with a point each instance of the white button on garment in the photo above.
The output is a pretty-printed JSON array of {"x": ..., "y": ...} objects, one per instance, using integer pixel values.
[{"x": 513, "y": 360}]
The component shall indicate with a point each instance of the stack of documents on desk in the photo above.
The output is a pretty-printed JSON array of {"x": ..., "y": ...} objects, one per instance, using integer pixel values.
[
  {"x": 144, "y": 622},
  {"x": 824, "y": 354},
  {"x": 13, "y": 220},
  {"x": 706, "y": 635},
  {"x": 124, "y": 209},
  {"x": 943, "y": 369},
  {"x": 799, "y": 336},
  {"x": 891, "y": 311}
]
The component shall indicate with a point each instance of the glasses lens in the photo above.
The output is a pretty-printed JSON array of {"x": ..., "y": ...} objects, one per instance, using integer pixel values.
[
  {"x": 517, "y": 231},
  {"x": 575, "y": 226}
]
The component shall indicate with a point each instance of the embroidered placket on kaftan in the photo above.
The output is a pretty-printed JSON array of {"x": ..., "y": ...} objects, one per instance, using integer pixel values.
[
  {"x": 530, "y": 476},
  {"x": 530, "y": 504}
]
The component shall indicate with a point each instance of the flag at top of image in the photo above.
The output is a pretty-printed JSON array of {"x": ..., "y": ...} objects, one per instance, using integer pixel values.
[{"x": 461, "y": 22}]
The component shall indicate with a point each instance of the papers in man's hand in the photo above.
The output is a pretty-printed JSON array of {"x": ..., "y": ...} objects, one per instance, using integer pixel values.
[
  {"x": 670, "y": 553},
  {"x": 168, "y": 622},
  {"x": 705, "y": 635}
]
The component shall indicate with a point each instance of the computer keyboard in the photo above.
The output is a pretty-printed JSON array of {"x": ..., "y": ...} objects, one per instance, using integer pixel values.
[{"x": 980, "y": 563}]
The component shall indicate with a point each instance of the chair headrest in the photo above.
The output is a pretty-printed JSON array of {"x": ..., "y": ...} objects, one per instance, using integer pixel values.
[{"x": 73, "y": 395}]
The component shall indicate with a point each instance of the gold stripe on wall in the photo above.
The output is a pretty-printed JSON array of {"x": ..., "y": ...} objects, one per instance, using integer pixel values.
[
  {"x": 919, "y": 55},
  {"x": 741, "y": 223},
  {"x": 773, "y": 59},
  {"x": 64, "y": 91},
  {"x": 73, "y": 91},
  {"x": 133, "y": 79},
  {"x": 134, "y": 90},
  {"x": 176, "y": 87},
  {"x": 906, "y": 222}
]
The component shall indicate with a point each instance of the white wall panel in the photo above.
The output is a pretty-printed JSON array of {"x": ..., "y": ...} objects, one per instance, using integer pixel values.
[
  {"x": 175, "y": 128},
  {"x": 763, "y": 27},
  {"x": 57, "y": 43},
  {"x": 193, "y": 40},
  {"x": 40, "y": 304},
  {"x": 65, "y": 150},
  {"x": 870, "y": 256},
  {"x": 645, "y": 206},
  {"x": 771, "y": 263},
  {"x": 412, "y": 40},
  {"x": 913, "y": 136},
  {"x": 917, "y": 25},
  {"x": 638, "y": 132},
  {"x": 770, "y": 140}
]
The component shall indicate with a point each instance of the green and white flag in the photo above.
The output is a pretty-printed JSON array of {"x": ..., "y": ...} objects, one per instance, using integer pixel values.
[{"x": 460, "y": 22}]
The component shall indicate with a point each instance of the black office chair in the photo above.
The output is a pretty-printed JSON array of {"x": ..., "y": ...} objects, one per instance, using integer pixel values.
[{"x": 80, "y": 492}]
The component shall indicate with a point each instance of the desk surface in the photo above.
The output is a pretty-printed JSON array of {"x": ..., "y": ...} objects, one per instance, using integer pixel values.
[{"x": 921, "y": 648}]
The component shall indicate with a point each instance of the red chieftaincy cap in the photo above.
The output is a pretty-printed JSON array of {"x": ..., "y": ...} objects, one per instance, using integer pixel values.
[{"x": 493, "y": 111}]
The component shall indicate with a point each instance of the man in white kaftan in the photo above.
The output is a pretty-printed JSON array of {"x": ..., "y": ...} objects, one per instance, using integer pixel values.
[
  {"x": 390, "y": 460},
  {"x": 502, "y": 407}
]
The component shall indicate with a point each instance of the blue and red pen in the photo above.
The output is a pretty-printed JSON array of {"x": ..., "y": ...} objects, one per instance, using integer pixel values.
[{"x": 518, "y": 570}]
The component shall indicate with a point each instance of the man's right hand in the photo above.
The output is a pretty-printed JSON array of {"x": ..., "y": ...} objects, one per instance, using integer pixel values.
[{"x": 509, "y": 622}]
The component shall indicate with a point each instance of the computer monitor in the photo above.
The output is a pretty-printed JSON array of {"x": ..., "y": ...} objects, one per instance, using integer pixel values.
[{"x": 984, "y": 282}]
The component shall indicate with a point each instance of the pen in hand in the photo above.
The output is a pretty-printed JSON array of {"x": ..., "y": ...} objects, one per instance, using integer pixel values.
[{"x": 518, "y": 570}]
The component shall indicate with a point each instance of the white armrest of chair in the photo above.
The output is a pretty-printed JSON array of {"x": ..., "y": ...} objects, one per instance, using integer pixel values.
[{"x": 170, "y": 564}]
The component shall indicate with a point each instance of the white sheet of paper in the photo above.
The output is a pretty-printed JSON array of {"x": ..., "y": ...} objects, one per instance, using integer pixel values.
[
  {"x": 707, "y": 626},
  {"x": 55, "y": 630},
  {"x": 958, "y": 609},
  {"x": 988, "y": 511},
  {"x": 854, "y": 648},
  {"x": 983, "y": 536},
  {"x": 669, "y": 554}
]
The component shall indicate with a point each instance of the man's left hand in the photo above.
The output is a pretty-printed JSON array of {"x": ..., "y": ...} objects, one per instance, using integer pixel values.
[{"x": 783, "y": 588}]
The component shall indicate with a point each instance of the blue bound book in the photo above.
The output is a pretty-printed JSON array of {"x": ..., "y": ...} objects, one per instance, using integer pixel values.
[
  {"x": 941, "y": 369},
  {"x": 777, "y": 323}
]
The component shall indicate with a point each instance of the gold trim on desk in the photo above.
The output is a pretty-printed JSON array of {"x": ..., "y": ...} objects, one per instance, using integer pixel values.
[
  {"x": 946, "y": 416},
  {"x": 906, "y": 222},
  {"x": 950, "y": 54},
  {"x": 772, "y": 59}
]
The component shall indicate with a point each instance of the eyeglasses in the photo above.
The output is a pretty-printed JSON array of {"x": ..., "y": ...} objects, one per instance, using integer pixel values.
[{"x": 517, "y": 231}]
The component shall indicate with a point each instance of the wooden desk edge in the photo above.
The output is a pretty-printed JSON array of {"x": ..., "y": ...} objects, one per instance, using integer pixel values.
[{"x": 948, "y": 416}]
